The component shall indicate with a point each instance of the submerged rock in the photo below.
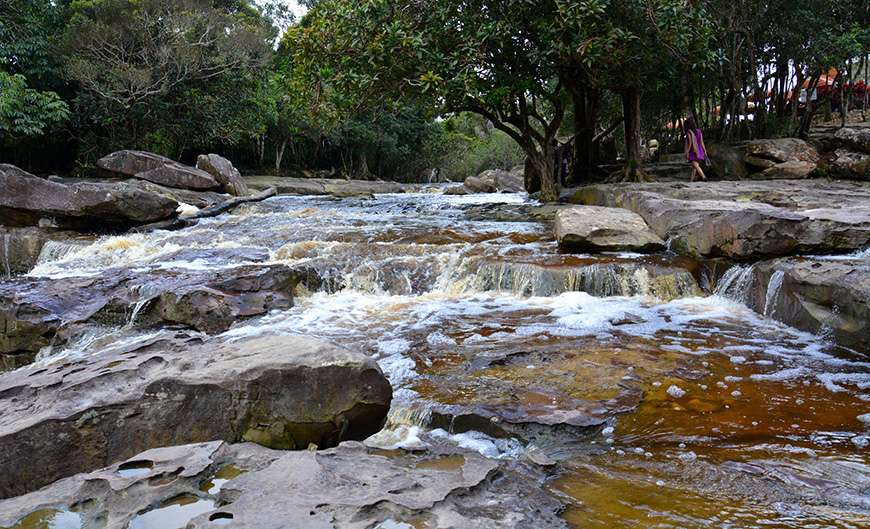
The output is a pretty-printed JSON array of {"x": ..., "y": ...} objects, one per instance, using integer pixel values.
[
  {"x": 25, "y": 199},
  {"x": 603, "y": 229},
  {"x": 348, "y": 487},
  {"x": 281, "y": 392},
  {"x": 224, "y": 172},
  {"x": 158, "y": 169}
]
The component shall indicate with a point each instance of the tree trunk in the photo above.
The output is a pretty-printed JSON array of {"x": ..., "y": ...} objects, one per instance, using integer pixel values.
[
  {"x": 279, "y": 155},
  {"x": 631, "y": 124},
  {"x": 585, "y": 118}
]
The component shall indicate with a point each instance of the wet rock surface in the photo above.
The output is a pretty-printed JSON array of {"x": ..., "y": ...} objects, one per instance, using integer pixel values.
[
  {"x": 824, "y": 296},
  {"x": 158, "y": 169},
  {"x": 25, "y": 199},
  {"x": 285, "y": 392},
  {"x": 20, "y": 247},
  {"x": 345, "y": 487},
  {"x": 36, "y": 312},
  {"x": 603, "y": 229},
  {"x": 746, "y": 220},
  {"x": 608, "y": 390}
]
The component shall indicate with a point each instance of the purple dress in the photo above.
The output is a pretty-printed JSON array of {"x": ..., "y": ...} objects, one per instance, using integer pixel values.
[{"x": 697, "y": 153}]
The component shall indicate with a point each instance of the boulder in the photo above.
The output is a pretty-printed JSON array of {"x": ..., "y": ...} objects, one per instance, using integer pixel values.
[
  {"x": 726, "y": 161},
  {"x": 827, "y": 296},
  {"x": 25, "y": 199},
  {"x": 456, "y": 190},
  {"x": 496, "y": 181},
  {"x": 792, "y": 169},
  {"x": 781, "y": 150},
  {"x": 245, "y": 485},
  {"x": 284, "y": 392},
  {"x": 855, "y": 138},
  {"x": 158, "y": 169},
  {"x": 223, "y": 171},
  {"x": 476, "y": 184},
  {"x": 603, "y": 229},
  {"x": 850, "y": 164}
]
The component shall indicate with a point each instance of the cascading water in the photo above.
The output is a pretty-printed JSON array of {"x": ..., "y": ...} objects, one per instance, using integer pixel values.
[
  {"x": 773, "y": 288},
  {"x": 649, "y": 395},
  {"x": 736, "y": 284}
]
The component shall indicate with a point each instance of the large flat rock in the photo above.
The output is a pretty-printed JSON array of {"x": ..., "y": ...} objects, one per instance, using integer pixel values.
[
  {"x": 746, "y": 220},
  {"x": 25, "y": 199},
  {"x": 282, "y": 392},
  {"x": 603, "y": 229},
  {"x": 244, "y": 485},
  {"x": 322, "y": 186}
]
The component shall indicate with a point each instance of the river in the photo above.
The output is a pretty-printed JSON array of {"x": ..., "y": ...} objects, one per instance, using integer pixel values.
[{"x": 654, "y": 400}]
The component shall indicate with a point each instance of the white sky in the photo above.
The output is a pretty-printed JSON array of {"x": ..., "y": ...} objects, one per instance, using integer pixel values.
[{"x": 298, "y": 10}]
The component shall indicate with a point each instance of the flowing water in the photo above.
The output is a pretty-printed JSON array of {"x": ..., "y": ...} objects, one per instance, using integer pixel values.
[{"x": 662, "y": 405}]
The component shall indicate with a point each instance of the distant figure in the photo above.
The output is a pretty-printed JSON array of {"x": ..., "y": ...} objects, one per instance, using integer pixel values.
[{"x": 696, "y": 151}]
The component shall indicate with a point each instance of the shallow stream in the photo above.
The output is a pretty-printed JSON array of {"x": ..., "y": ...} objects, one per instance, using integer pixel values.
[{"x": 657, "y": 402}]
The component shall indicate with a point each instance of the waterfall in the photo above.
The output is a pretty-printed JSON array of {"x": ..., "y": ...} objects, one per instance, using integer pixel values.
[
  {"x": 773, "y": 288},
  {"x": 7, "y": 262},
  {"x": 596, "y": 279},
  {"x": 736, "y": 284},
  {"x": 53, "y": 251}
]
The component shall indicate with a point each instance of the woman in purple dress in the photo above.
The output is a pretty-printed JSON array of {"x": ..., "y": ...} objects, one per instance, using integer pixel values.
[{"x": 696, "y": 151}]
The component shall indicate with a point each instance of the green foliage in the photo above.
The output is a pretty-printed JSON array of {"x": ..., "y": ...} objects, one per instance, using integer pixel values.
[
  {"x": 25, "y": 111},
  {"x": 466, "y": 145},
  {"x": 166, "y": 74}
]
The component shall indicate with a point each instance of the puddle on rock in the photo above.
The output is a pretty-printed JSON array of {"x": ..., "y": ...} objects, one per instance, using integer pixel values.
[
  {"x": 49, "y": 519},
  {"x": 135, "y": 469},
  {"x": 173, "y": 514},
  {"x": 452, "y": 463},
  {"x": 221, "y": 477}
]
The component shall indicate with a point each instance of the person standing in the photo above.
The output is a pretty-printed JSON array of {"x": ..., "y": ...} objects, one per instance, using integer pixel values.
[{"x": 695, "y": 150}]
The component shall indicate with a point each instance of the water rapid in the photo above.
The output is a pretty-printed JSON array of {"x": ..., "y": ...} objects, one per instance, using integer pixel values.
[{"x": 662, "y": 404}]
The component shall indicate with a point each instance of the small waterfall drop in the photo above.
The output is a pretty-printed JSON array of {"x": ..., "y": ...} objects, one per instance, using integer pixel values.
[
  {"x": 53, "y": 251},
  {"x": 736, "y": 284},
  {"x": 773, "y": 288},
  {"x": 7, "y": 262}
]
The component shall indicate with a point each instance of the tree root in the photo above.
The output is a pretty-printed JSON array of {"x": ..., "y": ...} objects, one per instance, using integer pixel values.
[{"x": 626, "y": 175}]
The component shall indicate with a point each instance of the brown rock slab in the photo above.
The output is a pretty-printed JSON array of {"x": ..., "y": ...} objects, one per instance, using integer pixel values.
[{"x": 282, "y": 392}]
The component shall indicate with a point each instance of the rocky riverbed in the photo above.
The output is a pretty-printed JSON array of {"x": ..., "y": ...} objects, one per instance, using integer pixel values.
[{"x": 384, "y": 358}]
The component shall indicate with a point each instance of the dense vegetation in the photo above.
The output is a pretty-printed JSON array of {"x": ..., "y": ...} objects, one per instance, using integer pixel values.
[{"x": 405, "y": 88}]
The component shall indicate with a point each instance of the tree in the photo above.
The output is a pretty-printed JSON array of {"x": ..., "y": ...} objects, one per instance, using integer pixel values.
[
  {"x": 25, "y": 112},
  {"x": 489, "y": 57},
  {"x": 166, "y": 74}
]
